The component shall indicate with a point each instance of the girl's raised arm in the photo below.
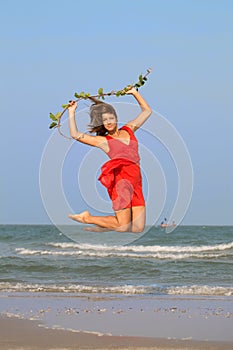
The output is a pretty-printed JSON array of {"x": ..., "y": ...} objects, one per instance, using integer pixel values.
[
  {"x": 96, "y": 141},
  {"x": 145, "y": 113}
]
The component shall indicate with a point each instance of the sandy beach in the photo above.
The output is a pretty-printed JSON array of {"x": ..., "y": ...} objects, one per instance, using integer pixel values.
[
  {"x": 25, "y": 334},
  {"x": 166, "y": 292},
  {"x": 53, "y": 322}
]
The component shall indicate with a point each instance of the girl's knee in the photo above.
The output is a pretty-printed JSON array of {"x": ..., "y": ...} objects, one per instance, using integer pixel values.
[
  {"x": 138, "y": 228},
  {"x": 124, "y": 228}
]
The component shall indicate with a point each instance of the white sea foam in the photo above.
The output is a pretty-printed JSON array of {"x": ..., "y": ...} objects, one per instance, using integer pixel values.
[
  {"x": 201, "y": 290},
  {"x": 73, "y": 288},
  {"x": 142, "y": 248},
  {"x": 121, "y": 254},
  {"x": 197, "y": 290}
]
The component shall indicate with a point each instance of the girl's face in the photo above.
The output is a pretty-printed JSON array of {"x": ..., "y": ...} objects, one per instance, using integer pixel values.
[{"x": 109, "y": 121}]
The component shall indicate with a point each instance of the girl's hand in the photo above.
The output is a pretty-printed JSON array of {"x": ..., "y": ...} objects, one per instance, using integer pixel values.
[
  {"x": 131, "y": 90},
  {"x": 72, "y": 106}
]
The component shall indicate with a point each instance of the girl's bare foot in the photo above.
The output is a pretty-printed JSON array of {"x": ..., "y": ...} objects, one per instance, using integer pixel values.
[{"x": 82, "y": 217}]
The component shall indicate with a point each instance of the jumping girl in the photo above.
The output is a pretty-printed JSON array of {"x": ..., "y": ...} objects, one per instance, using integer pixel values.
[{"x": 121, "y": 175}]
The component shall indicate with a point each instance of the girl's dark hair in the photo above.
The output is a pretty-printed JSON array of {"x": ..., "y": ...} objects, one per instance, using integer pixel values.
[{"x": 96, "y": 111}]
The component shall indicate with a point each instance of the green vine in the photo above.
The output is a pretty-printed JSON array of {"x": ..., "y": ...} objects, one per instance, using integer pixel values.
[{"x": 56, "y": 118}]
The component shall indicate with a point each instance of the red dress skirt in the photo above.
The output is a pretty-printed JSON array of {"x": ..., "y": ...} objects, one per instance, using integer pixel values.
[{"x": 122, "y": 175}]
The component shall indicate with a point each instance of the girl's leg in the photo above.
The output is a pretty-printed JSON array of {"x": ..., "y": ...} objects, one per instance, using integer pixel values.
[
  {"x": 120, "y": 222},
  {"x": 138, "y": 219},
  {"x": 95, "y": 228}
]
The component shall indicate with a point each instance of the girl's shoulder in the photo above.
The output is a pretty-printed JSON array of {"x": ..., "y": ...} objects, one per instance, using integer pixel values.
[{"x": 129, "y": 129}]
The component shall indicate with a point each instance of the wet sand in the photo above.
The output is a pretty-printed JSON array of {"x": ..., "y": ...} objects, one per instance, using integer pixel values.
[
  {"x": 38, "y": 321},
  {"x": 26, "y": 334}
]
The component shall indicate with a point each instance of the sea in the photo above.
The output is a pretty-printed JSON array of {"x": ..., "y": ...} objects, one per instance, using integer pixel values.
[{"x": 190, "y": 260}]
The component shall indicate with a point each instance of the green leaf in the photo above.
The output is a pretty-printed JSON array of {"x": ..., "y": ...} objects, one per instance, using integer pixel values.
[
  {"x": 57, "y": 116},
  {"x": 87, "y": 95},
  {"x": 52, "y": 125},
  {"x": 140, "y": 78},
  {"x": 76, "y": 95},
  {"x": 100, "y": 91},
  {"x": 118, "y": 93},
  {"x": 103, "y": 98},
  {"x": 82, "y": 94},
  {"x": 52, "y": 116},
  {"x": 65, "y": 106}
]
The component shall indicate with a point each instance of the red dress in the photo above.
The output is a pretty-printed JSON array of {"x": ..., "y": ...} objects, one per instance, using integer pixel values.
[{"x": 122, "y": 175}]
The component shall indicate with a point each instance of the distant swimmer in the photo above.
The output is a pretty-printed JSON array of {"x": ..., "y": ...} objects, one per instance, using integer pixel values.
[
  {"x": 121, "y": 175},
  {"x": 166, "y": 224}
]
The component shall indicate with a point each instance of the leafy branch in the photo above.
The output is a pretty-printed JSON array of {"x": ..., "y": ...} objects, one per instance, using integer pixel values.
[{"x": 56, "y": 118}]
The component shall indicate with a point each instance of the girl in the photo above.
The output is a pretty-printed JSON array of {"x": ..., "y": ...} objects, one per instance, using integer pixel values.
[{"x": 121, "y": 175}]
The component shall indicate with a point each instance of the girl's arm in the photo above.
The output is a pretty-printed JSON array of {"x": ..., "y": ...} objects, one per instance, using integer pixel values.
[
  {"x": 145, "y": 113},
  {"x": 96, "y": 141}
]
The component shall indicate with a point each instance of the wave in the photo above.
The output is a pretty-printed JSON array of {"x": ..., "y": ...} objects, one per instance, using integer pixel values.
[
  {"x": 72, "y": 288},
  {"x": 142, "y": 248},
  {"x": 140, "y": 251},
  {"x": 120, "y": 254},
  {"x": 193, "y": 290},
  {"x": 201, "y": 290}
]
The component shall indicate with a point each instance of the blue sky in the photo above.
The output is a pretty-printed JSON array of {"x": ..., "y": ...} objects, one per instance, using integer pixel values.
[{"x": 51, "y": 49}]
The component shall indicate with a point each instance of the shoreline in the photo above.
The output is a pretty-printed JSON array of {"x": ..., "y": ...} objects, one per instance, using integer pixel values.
[
  {"x": 28, "y": 334},
  {"x": 97, "y": 321}
]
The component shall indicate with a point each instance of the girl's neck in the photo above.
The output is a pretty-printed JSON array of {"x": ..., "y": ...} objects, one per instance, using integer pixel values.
[{"x": 114, "y": 133}]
